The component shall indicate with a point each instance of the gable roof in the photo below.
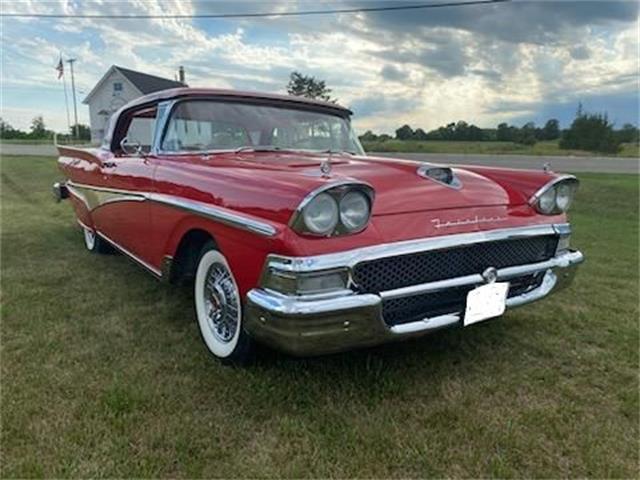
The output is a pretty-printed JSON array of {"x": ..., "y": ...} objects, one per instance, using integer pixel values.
[
  {"x": 148, "y": 83},
  {"x": 144, "y": 82}
]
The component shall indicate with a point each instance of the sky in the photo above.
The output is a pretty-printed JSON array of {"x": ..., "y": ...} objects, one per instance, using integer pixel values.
[{"x": 486, "y": 64}]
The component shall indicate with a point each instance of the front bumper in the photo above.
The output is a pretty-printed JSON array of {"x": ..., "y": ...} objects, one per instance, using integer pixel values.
[
  {"x": 320, "y": 324},
  {"x": 302, "y": 326}
]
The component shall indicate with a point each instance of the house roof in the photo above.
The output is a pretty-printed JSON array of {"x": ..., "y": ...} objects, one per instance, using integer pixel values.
[
  {"x": 144, "y": 82},
  {"x": 148, "y": 83}
]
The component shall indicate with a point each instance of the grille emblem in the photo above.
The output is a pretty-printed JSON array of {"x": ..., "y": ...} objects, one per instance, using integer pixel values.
[{"x": 490, "y": 275}]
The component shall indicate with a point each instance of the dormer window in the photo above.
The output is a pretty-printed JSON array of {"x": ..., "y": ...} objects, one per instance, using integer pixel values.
[{"x": 117, "y": 87}]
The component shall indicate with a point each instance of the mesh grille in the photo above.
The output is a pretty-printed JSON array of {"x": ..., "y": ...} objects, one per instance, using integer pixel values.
[
  {"x": 402, "y": 271},
  {"x": 418, "y": 307}
]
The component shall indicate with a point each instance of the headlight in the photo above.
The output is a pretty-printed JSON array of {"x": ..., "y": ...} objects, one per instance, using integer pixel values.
[
  {"x": 564, "y": 195},
  {"x": 354, "y": 210},
  {"x": 321, "y": 214},
  {"x": 556, "y": 196},
  {"x": 338, "y": 208},
  {"x": 547, "y": 201}
]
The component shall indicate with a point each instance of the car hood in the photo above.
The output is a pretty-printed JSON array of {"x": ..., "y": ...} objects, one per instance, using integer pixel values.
[{"x": 398, "y": 187}]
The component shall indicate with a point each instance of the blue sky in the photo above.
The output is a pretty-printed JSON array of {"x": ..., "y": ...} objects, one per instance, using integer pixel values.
[{"x": 516, "y": 62}]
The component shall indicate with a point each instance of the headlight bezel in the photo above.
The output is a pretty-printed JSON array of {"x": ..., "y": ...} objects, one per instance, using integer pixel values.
[
  {"x": 337, "y": 190},
  {"x": 569, "y": 181}
]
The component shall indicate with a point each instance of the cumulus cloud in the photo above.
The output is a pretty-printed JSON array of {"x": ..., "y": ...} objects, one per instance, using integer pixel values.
[{"x": 484, "y": 64}]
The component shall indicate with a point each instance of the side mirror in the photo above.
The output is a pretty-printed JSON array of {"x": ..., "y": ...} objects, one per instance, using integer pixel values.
[{"x": 131, "y": 147}]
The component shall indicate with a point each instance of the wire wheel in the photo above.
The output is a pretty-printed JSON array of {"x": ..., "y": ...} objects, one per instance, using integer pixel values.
[{"x": 221, "y": 302}]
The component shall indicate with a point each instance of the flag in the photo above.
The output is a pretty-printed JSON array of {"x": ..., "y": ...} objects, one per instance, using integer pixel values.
[{"x": 60, "y": 68}]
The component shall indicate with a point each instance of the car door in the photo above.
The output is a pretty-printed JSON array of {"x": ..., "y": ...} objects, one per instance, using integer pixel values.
[{"x": 123, "y": 216}]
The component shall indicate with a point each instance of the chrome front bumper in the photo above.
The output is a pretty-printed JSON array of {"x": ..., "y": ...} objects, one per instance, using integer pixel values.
[{"x": 301, "y": 326}]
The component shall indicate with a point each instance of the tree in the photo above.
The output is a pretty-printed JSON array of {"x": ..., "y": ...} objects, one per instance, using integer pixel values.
[
  {"x": 527, "y": 134},
  {"x": 83, "y": 131},
  {"x": 38, "y": 129},
  {"x": 420, "y": 134},
  {"x": 405, "y": 132},
  {"x": 590, "y": 132},
  {"x": 307, "y": 86},
  {"x": 551, "y": 130},
  {"x": 368, "y": 136},
  {"x": 6, "y": 130},
  {"x": 628, "y": 134}
]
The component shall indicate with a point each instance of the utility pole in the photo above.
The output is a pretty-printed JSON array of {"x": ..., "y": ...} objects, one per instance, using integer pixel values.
[{"x": 73, "y": 89}]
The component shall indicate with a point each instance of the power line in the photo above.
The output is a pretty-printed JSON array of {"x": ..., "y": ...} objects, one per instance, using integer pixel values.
[{"x": 258, "y": 14}]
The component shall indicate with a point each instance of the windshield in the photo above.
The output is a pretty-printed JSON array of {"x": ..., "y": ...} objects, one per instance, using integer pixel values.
[{"x": 207, "y": 125}]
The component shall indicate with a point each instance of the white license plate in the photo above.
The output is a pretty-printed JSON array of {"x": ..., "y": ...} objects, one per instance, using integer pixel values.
[{"x": 486, "y": 302}]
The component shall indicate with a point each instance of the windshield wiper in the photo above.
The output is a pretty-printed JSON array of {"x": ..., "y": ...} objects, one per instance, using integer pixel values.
[
  {"x": 335, "y": 152},
  {"x": 258, "y": 148}
]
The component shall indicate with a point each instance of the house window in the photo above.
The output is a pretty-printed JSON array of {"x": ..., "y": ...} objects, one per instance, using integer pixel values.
[{"x": 117, "y": 87}]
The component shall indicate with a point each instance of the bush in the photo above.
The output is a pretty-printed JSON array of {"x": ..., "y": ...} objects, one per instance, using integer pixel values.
[{"x": 591, "y": 132}]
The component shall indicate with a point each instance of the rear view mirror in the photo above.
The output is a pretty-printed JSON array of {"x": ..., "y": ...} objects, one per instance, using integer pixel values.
[{"x": 131, "y": 147}]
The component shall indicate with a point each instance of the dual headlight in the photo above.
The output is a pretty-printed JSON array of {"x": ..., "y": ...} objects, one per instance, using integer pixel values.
[
  {"x": 556, "y": 196},
  {"x": 335, "y": 210}
]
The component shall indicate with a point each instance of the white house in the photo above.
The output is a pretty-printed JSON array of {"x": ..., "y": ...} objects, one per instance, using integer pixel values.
[{"x": 116, "y": 88}]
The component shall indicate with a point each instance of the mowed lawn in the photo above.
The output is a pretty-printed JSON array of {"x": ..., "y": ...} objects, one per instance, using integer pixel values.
[
  {"x": 543, "y": 148},
  {"x": 104, "y": 374}
]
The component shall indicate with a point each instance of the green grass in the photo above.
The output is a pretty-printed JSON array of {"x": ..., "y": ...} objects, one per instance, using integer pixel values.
[
  {"x": 104, "y": 374},
  {"x": 489, "y": 148}
]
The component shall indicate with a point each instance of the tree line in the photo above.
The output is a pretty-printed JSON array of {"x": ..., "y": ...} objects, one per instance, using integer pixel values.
[
  {"x": 587, "y": 132},
  {"x": 39, "y": 131}
]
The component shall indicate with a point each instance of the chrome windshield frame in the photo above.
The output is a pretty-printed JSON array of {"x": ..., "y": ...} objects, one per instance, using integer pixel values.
[{"x": 167, "y": 107}]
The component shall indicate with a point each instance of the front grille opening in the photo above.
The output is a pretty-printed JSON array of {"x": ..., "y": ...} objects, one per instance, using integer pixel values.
[
  {"x": 389, "y": 273},
  {"x": 418, "y": 307}
]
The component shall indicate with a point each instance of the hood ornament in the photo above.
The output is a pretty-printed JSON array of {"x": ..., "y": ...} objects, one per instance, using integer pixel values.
[
  {"x": 547, "y": 167},
  {"x": 325, "y": 166}
]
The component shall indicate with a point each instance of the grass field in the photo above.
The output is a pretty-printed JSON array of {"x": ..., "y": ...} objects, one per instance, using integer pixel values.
[
  {"x": 104, "y": 374},
  {"x": 490, "y": 148}
]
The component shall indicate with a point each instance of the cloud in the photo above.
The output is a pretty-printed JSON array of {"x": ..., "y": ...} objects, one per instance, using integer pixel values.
[{"x": 483, "y": 64}]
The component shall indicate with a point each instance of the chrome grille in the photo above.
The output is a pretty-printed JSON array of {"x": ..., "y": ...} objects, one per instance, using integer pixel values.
[
  {"x": 417, "y": 307},
  {"x": 375, "y": 276}
]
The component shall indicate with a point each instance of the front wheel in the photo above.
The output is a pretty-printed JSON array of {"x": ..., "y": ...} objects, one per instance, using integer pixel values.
[{"x": 219, "y": 308}]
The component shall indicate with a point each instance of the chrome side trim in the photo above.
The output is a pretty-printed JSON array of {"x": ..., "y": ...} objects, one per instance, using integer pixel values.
[
  {"x": 94, "y": 197},
  {"x": 563, "y": 261},
  {"x": 215, "y": 213},
  {"x": 561, "y": 178},
  {"x": 350, "y": 258},
  {"x": 133, "y": 256}
]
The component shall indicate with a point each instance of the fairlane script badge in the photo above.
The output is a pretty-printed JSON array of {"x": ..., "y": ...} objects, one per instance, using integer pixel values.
[{"x": 466, "y": 221}]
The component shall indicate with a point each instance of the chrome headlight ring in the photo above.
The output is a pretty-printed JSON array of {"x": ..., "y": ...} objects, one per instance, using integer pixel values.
[
  {"x": 556, "y": 196},
  {"x": 338, "y": 208}
]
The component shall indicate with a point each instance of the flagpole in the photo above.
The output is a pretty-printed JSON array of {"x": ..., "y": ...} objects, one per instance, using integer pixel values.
[{"x": 66, "y": 100}]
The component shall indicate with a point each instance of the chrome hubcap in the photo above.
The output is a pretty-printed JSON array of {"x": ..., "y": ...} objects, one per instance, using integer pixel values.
[{"x": 221, "y": 303}]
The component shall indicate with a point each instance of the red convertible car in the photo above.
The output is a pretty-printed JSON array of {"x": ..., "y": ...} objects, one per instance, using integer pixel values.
[{"x": 294, "y": 238}]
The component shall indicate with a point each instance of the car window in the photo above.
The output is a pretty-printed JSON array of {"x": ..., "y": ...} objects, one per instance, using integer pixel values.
[
  {"x": 141, "y": 128},
  {"x": 208, "y": 125}
]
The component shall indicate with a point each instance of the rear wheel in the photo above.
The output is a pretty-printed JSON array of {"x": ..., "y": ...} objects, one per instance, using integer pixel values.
[
  {"x": 93, "y": 242},
  {"x": 219, "y": 308}
]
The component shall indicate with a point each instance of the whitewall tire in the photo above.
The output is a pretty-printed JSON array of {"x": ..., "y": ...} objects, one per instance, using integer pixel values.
[{"x": 218, "y": 308}]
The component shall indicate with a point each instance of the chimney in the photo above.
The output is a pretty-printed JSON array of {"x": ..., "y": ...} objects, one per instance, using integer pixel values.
[{"x": 181, "y": 74}]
